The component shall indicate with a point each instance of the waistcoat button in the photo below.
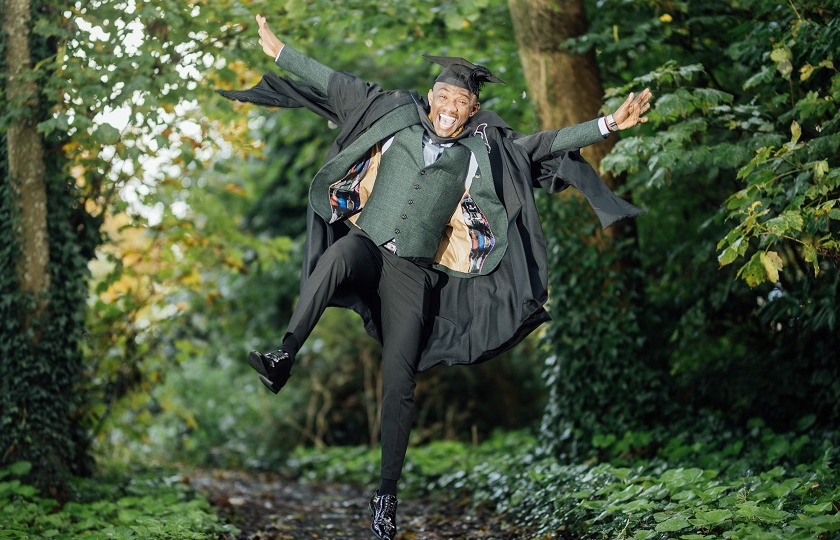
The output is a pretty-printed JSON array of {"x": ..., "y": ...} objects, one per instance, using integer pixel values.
[
  {"x": 404, "y": 216},
  {"x": 396, "y": 231}
]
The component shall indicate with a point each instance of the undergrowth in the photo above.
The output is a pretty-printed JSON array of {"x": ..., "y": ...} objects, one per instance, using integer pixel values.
[
  {"x": 116, "y": 505},
  {"x": 753, "y": 484}
]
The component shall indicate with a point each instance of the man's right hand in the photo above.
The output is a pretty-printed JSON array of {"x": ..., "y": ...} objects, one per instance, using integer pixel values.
[{"x": 270, "y": 44}]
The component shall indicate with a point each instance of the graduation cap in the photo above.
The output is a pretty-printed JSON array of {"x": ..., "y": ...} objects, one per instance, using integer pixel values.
[{"x": 462, "y": 73}]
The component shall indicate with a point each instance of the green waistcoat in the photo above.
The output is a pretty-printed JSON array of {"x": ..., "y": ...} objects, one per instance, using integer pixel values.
[{"x": 411, "y": 202}]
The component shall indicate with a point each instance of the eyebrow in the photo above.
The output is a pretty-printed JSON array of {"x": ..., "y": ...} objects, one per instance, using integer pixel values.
[{"x": 455, "y": 93}]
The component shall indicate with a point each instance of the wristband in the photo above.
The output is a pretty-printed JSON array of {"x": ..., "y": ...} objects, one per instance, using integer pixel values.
[{"x": 611, "y": 123}]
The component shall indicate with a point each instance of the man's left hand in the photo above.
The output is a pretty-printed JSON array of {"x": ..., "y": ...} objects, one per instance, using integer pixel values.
[
  {"x": 633, "y": 109},
  {"x": 269, "y": 42}
]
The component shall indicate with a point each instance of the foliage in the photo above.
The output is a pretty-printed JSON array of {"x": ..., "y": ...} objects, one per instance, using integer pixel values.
[
  {"x": 664, "y": 327},
  {"x": 733, "y": 486},
  {"x": 772, "y": 119},
  {"x": 595, "y": 374},
  {"x": 791, "y": 201},
  {"x": 434, "y": 466},
  {"x": 702, "y": 483},
  {"x": 114, "y": 506}
]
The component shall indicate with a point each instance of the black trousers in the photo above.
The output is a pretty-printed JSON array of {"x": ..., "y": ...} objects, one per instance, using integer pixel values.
[{"x": 403, "y": 288}]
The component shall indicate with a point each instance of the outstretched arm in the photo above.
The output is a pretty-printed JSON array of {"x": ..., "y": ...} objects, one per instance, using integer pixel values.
[
  {"x": 544, "y": 144},
  {"x": 343, "y": 92},
  {"x": 630, "y": 113},
  {"x": 311, "y": 71}
]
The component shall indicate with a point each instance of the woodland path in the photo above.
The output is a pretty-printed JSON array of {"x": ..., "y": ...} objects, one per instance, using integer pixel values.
[{"x": 270, "y": 507}]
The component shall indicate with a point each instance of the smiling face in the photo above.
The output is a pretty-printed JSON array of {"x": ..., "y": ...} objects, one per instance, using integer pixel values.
[{"x": 451, "y": 107}]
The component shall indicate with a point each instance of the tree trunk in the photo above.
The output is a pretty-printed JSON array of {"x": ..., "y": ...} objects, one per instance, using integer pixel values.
[
  {"x": 565, "y": 87},
  {"x": 42, "y": 270},
  {"x": 26, "y": 156}
]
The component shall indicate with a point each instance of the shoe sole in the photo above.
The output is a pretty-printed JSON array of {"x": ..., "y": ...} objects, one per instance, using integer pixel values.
[
  {"x": 274, "y": 387},
  {"x": 255, "y": 361}
]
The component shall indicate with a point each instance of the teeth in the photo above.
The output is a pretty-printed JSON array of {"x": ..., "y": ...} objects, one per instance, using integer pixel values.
[{"x": 446, "y": 121}]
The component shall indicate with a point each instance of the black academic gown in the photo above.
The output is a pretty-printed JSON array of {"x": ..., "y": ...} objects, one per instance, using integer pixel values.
[{"x": 474, "y": 318}]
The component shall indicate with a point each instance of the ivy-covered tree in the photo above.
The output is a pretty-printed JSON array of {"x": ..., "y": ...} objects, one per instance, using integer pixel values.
[
  {"x": 46, "y": 238},
  {"x": 94, "y": 85},
  {"x": 736, "y": 165}
]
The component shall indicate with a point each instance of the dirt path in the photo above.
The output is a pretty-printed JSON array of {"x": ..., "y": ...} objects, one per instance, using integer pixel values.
[{"x": 267, "y": 507}]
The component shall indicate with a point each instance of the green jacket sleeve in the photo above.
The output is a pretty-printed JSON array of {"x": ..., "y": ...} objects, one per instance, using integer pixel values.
[
  {"x": 542, "y": 145},
  {"x": 346, "y": 95},
  {"x": 311, "y": 71},
  {"x": 574, "y": 137}
]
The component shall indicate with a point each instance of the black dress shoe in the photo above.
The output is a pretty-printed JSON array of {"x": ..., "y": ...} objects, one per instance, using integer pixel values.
[
  {"x": 383, "y": 510},
  {"x": 274, "y": 368}
]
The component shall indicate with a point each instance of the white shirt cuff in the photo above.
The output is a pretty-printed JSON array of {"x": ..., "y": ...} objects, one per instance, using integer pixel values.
[
  {"x": 278, "y": 52},
  {"x": 602, "y": 126}
]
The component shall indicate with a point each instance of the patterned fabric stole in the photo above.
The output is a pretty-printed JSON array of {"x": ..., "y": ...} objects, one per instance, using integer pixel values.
[
  {"x": 345, "y": 199},
  {"x": 481, "y": 237}
]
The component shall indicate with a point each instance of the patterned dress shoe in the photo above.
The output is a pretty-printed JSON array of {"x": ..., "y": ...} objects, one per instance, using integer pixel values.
[
  {"x": 274, "y": 368},
  {"x": 383, "y": 510}
]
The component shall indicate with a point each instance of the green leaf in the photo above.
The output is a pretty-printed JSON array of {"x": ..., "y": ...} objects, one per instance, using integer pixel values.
[
  {"x": 780, "y": 490},
  {"x": 25, "y": 490},
  {"x": 772, "y": 265},
  {"x": 20, "y": 468},
  {"x": 822, "y": 508},
  {"x": 788, "y": 222},
  {"x": 780, "y": 54},
  {"x": 820, "y": 169},
  {"x": 107, "y": 134},
  {"x": 770, "y": 515},
  {"x": 819, "y": 524},
  {"x": 753, "y": 272},
  {"x": 672, "y": 525},
  {"x": 636, "y": 505},
  {"x": 762, "y": 76},
  {"x": 782, "y": 57},
  {"x": 675, "y": 478},
  {"x": 732, "y": 252},
  {"x": 795, "y": 131},
  {"x": 710, "y": 518}
]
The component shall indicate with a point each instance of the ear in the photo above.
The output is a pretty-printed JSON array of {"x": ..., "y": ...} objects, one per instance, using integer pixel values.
[
  {"x": 429, "y": 96},
  {"x": 475, "y": 108}
]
